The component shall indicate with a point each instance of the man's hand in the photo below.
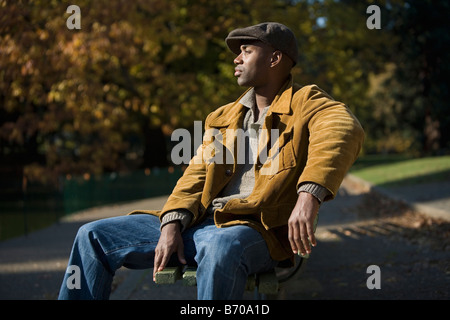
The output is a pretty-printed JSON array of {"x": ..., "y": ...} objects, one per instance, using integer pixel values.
[
  {"x": 301, "y": 223},
  {"x": 169, "y": 242}
]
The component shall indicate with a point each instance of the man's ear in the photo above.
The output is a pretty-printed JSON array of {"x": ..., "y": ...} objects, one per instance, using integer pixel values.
[{"x": 277, "y": 55}]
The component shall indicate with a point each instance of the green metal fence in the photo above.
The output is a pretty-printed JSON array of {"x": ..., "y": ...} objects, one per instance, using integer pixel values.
[
  {"x": 39, "y": 207},
  {"x": 85, "y": 192}
]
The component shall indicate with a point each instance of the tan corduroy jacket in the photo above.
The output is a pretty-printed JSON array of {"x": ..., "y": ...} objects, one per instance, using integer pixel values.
[{"x": 318, "y": 141}]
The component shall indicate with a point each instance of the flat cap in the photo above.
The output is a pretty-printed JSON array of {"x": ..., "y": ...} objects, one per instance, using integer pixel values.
[{"x": 273, "y": 33}]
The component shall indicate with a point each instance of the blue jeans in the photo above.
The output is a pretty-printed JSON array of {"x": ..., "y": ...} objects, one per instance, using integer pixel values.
[{"x": 224, "y": 256}]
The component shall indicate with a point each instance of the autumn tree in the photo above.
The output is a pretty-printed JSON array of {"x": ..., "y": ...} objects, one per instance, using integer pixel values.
[
  {"x": 106, "y": 97},
  {"x": 411, "y": 99},
  {"x": 75, "y": 101}
]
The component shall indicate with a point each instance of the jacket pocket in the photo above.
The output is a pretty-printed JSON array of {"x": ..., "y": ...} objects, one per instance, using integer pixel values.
[
  {"x": 287, "y": 156},
  {"x": 282, "y": 157},
  {"x": 276, "y": 216}
]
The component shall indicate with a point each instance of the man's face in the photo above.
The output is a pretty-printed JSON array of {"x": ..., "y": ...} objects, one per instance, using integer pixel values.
[{"x": 253, "y": 64}]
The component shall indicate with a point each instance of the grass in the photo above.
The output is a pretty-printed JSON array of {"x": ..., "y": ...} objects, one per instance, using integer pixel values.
[{"x": 399, "y": 170}]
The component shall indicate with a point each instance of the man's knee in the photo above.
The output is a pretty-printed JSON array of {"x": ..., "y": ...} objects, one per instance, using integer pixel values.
[
  {"x": 88, "y": 236},
  {"x": 86, "y": 231}
]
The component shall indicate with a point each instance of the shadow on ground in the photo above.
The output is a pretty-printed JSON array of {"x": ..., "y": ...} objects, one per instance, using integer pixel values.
[
  {"x": 356, "y": 230},
  {"x": 411, "y": 250}
]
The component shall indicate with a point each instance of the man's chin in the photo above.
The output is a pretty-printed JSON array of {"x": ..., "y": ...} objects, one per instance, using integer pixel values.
[{"x": 242, "y": 83}]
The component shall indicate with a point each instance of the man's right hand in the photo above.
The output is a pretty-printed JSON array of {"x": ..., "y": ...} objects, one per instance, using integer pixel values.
[{"x": 169, "y": 242}]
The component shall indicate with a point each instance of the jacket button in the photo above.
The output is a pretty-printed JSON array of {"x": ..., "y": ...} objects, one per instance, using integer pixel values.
[{"x": 228, "y": 172}]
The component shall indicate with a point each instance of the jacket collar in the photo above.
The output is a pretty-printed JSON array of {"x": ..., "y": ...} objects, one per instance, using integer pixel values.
[
  {"x": 280, "y": 104},
  {"x": 282, "y": 101},
  {"x": 234, "y": 113}
]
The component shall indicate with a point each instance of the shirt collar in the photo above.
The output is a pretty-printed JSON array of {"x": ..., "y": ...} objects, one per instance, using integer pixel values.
[{"x": 249, "y": 99}]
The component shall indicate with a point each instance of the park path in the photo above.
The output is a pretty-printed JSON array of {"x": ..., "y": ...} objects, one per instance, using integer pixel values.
[
  {"x": 363, "y": 226},
  {"x": 32, "y": 266}
]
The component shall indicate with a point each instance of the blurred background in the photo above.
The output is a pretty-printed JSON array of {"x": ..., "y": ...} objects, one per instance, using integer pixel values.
[{"x": 86, "y": 115}]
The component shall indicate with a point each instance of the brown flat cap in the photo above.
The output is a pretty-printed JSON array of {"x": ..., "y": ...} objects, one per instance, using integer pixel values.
[{"x": 273, "y": 33}]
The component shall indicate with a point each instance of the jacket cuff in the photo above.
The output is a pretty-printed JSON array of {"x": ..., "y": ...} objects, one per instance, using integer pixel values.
[
  {"x": 315, "y": 189},
  {"x": 182, "y": 215}
]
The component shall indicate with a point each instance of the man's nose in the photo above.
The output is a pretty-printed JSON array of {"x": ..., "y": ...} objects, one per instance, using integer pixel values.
[{"x": 238, "y": 59}]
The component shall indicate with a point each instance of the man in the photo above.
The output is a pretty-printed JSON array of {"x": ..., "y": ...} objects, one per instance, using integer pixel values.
[{"x": 234, "y": 218}]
